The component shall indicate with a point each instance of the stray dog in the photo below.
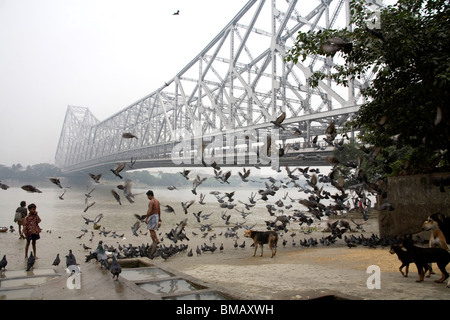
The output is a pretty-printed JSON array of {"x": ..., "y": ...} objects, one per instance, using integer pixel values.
[
  {"x": 262, "y": 237},
  {"x": 444, "y": 224},
  {"x": 404, "y": 257},
  {"x": 437, "y": 238},
  {"x": 423, "y": 256}
]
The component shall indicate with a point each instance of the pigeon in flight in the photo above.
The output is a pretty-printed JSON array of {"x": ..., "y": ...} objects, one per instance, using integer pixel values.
[
  {"x": 128, "y": 135},
  {"x": 244, "y": 175},
  {"x": 88, "y": 205},
  {"x": 135, "y": 227},
  {"x": 88, "y": 194},
  {"x": 4, "y": 186},
  {"x": 62, "y": 194},
  {"x": 169, "y": 209},
  {"x": 186, "y": 205},
  {"x": 279, "y": 120},
  {"x": 118, "y": 168},
  {"x": 116, "y": 196},
  {"x": 127, "y": 191},
  {"x": 132, "y": 162},
  {"x": 95, "y": 177},
  {"x": 333, "y": 45},
  {"x": 177, "y": 13},
  {"x": 95, "y": 221},
  {"x": 30, "y": 188},
  {"x": 185, "y": 173},
  {"x": 56, "y": 181}
]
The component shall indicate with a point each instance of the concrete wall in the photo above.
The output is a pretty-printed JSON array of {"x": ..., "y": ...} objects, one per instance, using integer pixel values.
[{"x": 414, "y": 198}]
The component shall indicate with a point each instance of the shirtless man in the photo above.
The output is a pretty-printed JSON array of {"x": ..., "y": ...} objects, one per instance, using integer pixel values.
[{"x": 153, "y": 218}]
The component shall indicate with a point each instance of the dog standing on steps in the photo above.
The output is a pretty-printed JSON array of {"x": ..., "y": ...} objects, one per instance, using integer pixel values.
[
  {"x": 263, "y": 237},
  {"x": 437, "y": 238}
]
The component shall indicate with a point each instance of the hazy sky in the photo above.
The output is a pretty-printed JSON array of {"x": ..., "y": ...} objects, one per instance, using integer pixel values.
[{"x": 100, "y": 54}]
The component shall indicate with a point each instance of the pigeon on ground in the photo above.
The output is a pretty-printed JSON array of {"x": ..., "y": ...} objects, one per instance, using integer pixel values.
[
  {"x": 30, "y": 261},
  {"x": 115, "y": 268},
  {"x": 57, "y": 260},
  {"x": 102, "y": 257},
  {"x": 3, "y": 263},
  {"x": 70, "y": 259}
]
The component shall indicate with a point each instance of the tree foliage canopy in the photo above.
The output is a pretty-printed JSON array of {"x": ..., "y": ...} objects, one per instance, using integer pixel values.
[{"x": 408, "y": 99}]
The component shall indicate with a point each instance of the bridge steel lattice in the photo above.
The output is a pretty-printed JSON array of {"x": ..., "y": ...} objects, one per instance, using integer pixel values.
[{"x": 240, "y": 80}]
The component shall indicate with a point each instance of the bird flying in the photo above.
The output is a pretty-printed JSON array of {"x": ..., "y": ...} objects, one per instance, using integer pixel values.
[
  {"x": 95, "y": 177},
  {"x": 277, "y": 122},
  {"x": 118, "y": 168},
  {"x": 186, "y": 205},
  {"x": 128, "y": 135},
  {"x": 116, "y": 196},
  {"x": 30, "y": 188},
  {"x": 56, "y": 181},
  {"x": 333, "y": 45}
]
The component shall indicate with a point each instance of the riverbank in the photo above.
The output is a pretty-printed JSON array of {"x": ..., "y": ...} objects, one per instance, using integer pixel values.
[{"x": 295, "y": 272}]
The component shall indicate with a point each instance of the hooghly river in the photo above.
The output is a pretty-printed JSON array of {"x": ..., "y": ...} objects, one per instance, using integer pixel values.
[{"x": 67, "y": 214}]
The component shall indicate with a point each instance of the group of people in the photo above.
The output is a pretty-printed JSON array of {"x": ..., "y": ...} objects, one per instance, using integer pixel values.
[
  {"x": 28, "y": 223},
  {"x": 29, "y": 229}
]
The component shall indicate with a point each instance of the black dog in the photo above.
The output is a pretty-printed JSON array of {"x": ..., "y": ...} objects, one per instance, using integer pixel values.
[
  {"x": 422, "y": 256},
  {"x": 405, "y": 258}
]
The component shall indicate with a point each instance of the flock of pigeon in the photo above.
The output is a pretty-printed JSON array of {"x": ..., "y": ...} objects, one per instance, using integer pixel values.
[{"x": 283, "y": 212}]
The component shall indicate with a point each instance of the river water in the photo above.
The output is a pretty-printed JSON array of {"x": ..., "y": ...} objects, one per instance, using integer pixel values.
[{"x": 68, "y": 214}]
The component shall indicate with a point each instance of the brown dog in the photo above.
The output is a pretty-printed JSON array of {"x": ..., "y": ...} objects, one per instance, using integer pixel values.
[
  {"x": 437, "y": 238},
  {"x": 263, "y": 237}
]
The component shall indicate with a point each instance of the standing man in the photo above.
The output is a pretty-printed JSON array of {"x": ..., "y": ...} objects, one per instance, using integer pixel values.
[{"x": 153, "y": 219}]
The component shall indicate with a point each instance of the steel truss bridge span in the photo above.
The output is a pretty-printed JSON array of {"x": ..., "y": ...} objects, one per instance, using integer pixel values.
[{"x": 239, "y": 81}]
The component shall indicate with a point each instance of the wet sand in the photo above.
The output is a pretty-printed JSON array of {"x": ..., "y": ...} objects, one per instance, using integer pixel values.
[{"x": 294, "y": 273}]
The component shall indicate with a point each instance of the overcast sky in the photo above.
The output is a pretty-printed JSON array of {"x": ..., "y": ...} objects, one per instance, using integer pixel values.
[{"x": 100, "y": 54}]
